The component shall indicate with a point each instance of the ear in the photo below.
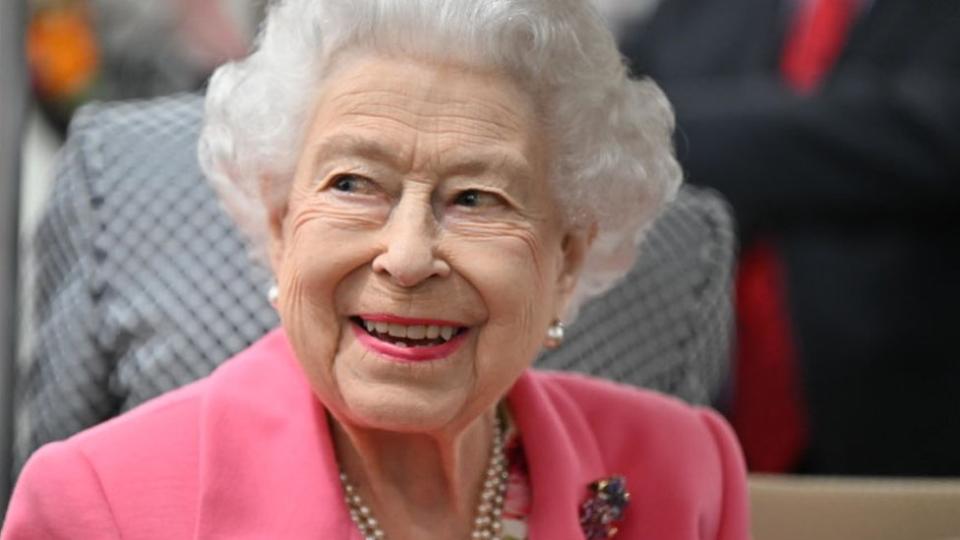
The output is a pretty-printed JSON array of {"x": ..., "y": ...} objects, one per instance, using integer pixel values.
[
  {"x": 276, "y": 218},
  {"x": 575, "y": 245}
]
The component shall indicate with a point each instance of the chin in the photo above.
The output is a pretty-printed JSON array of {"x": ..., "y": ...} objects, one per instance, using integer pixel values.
[{"x": 400, "y": 409}]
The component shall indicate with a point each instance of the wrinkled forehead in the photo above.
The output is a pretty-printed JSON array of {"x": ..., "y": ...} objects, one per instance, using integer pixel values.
[
  {"x": 382, "y": 106},
  {"x": 450, "y": 92}
]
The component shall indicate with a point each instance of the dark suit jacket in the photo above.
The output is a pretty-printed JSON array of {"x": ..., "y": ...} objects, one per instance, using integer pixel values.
[{"x": 860, "y": 185}]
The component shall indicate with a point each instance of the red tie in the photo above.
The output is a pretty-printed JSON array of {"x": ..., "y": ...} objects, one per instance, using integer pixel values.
[
  {"x": 768, "y": 401},
  {"x": 817, "y": 36}
]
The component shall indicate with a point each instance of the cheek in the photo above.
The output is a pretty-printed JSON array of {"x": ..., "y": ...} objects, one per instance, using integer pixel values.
[
  {"x": 515, "y": 274},
  {"x": 320, "y": 253},
  {"x": 325, "y": 241}
]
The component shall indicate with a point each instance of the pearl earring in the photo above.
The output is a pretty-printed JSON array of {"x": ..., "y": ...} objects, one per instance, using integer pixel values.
[
  {"x": 555, "y": 335},
  {"x": 273, "y": 293}
]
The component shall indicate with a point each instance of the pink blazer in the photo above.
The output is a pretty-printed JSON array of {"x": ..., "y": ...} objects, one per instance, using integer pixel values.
[{"x": 245, "y": 454}]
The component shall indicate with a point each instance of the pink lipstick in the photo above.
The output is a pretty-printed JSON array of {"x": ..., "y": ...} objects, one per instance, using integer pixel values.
[{"x": 429, "y": 339}]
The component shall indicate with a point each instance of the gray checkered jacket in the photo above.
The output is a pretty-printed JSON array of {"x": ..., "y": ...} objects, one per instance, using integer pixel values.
[{"x": 141, "y": 283}]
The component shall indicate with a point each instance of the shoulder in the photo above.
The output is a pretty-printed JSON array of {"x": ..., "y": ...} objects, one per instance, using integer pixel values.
[
  {"x": 173, "y": 424},
  {"x": 84, "y": 486},
  {"x": 150, "y": 457},
  {"x": 682, "y": 461},
  {"x": 620, "y": 403},
  {"x": 58, "y": 496},
  {"x": 629, "y": 422},
  {"x": 92, "y": 483}
]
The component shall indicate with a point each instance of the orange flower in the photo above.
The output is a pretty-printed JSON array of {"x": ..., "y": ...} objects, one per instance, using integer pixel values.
[{"x": 62, "y": 51}]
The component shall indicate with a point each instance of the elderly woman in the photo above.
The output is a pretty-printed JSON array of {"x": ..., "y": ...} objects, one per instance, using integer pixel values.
[{"x": 436, "y": 185}]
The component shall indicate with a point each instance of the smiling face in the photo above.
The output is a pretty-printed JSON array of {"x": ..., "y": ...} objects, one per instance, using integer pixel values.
[{"x": 420, "y": 256}]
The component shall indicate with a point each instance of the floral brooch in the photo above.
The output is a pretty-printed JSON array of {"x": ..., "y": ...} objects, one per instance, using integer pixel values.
[{"x": 600, "y": 513}]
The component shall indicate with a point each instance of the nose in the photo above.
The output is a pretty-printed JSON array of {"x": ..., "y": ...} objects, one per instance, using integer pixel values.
[{"x": 409, "y": 256}]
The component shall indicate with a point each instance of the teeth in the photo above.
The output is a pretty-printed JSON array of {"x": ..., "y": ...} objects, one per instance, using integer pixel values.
[
  {"x": 446, "y": 332},
  {"x": 416, "y": 332},
  {"x": 411, "y": 332}
]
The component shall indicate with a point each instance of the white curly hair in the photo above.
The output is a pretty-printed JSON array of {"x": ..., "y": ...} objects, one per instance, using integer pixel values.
[{"x": 610, "y": 137}]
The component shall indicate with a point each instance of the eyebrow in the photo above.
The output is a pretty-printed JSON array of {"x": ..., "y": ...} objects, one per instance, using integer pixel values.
[
  {"x": 344, "y": 145},
  {"x": 456, "y": 162},
  {"x": 513, "y": 166}
]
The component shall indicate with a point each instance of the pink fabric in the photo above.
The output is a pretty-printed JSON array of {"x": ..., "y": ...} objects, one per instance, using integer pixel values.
[{"x": 246, "y": 453}]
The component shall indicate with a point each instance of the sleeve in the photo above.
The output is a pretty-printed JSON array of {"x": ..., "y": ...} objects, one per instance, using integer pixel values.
[
  {"x": 878, "y": 142},
  {"x": 881, "y": 149},
  {"x": 59, "y": 496},
  {"x": 734, "y": 512},
  {"x": 63, "y": 385}
]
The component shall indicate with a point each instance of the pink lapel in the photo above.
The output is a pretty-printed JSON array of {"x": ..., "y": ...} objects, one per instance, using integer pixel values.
[
  {"x": 562, "y": 455},
  {"x": 267, "y": 464}
]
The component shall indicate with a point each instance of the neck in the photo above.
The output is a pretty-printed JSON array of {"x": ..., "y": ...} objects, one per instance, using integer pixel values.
[{"x": 418, "y": 485}]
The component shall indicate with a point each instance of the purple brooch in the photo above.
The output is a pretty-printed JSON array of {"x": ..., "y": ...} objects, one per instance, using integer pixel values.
[{"x": 600, "y": 513}]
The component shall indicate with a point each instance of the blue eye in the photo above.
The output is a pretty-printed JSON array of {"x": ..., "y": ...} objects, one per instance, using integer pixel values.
[
  {"x": 354, "y": 184},
  {"x": 475, "y": 198},
  {"x": 347, "y": 183},
  {"x": 470, "y": 197}
]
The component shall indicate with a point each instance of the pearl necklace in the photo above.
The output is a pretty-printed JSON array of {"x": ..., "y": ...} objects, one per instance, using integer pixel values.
[{"x": 487, "y": 524}]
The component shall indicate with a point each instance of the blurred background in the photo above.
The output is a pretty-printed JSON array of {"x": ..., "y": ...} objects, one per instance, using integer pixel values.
[
  {"x": 832, "y": 127},
  {"x": 55, "y": 56},
  {"x": 79, "y": 51}
]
